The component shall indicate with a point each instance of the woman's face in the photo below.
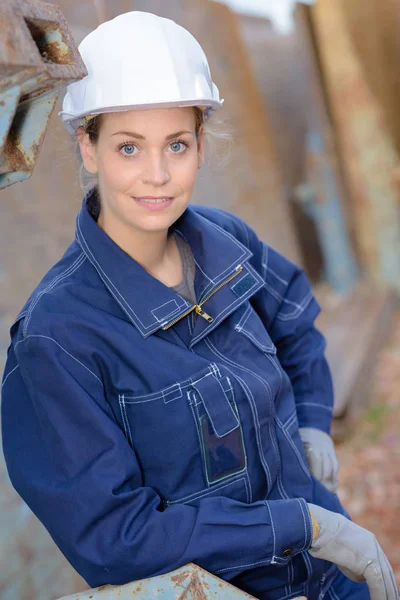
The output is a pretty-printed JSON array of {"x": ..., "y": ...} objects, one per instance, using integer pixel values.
[{"x": 146, "y": 162}]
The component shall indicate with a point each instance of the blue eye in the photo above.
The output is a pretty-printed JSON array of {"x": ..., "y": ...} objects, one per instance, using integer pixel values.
[
  {"x": 178, "y": 147},
  {"x": 128, "y": 149}
]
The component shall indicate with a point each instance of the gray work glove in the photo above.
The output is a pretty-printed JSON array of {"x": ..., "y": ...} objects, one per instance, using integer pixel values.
[
  {"x": 355, "y": 551},
  {"x": 321, "y": 456}
]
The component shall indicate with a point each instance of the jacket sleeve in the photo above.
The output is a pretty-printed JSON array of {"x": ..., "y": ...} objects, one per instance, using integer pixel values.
[
  {"x": 69, "y": 460},
  {"x": 288, "y": 309}
]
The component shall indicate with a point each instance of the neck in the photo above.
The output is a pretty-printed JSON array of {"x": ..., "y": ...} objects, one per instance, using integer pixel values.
[{"x": 155, "y": 251}]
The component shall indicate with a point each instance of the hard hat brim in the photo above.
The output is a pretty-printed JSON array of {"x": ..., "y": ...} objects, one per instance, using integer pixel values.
[{"x": 72, "y": 122}]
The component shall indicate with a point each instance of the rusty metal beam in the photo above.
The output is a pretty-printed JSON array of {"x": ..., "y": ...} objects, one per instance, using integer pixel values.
[
  {"x": 367, "y": 151},
  {"x": 187, "y": 583},
  {"x": 38, "y": 56}
]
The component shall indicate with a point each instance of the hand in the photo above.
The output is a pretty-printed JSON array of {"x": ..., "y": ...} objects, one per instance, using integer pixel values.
[
  {"x": 355, "y": 551},
  {"x": 321, "y": 456}
]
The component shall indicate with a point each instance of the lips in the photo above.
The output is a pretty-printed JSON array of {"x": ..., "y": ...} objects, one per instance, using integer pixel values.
[
  {"x": 153, "y": 203},
  {"x": 154, "y": 200}
]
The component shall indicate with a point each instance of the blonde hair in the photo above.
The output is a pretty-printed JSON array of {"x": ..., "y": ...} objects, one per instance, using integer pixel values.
[{"x": 217, "y": 135}]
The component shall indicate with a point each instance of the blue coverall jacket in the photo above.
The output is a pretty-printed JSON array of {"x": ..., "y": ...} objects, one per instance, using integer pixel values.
[{"x": 146, "y": 433}]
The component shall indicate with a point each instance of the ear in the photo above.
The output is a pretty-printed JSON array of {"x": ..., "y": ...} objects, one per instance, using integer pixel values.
[
  {"x": 88, "y": 151},
  {"x": 200, "y": 147}
]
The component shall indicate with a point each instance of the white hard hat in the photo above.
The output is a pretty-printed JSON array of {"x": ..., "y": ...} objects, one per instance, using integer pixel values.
[{"x": 139, "y": 60}]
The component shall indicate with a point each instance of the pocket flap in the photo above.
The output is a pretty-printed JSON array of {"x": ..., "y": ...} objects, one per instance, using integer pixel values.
[
  {"x": 250, "y": 325},
  {"x": 216, "y": 404}
]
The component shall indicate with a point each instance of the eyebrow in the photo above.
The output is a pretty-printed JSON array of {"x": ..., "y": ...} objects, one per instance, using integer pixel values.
[{"x": 138, "y": 136}]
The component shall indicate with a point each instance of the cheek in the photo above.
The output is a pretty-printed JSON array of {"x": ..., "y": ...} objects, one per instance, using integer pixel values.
[
  {"x": 185, "y": 173},
  {"x": 116, "y": 171}
]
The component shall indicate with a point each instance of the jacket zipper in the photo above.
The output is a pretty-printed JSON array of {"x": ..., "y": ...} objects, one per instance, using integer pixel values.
[{"x": 198, "y": 307}]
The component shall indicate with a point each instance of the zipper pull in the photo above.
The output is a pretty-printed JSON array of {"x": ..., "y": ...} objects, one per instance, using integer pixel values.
[{"x": 200, "y": 311}]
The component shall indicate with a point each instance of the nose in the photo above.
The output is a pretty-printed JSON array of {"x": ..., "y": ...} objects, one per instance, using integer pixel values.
[{"x": 156, "y": 170}]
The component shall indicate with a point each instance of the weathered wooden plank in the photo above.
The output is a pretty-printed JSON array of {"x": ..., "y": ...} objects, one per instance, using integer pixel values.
[
  {"x": 374, "y": 26},
  {"x": 356, "y": 325},
  {"x": 290, "y": 83},
  {"x": 368, "y": 155}
]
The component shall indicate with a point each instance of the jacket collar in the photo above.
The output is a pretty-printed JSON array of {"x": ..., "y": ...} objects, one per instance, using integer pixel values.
[{"x": 147, "y": 302}]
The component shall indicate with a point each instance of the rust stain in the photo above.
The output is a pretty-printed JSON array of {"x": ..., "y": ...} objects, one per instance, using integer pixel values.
[
  {"x": 15, "y": 157},
  {"x": 180, "y": 577},
  {"x": 194, "y": 590},
  {"x": 55, "y": 52}
]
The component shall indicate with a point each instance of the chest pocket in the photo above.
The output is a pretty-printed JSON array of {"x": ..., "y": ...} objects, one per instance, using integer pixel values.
[
  {"x": 219, "y": 428},
  {"x": 188, "y": 438}
]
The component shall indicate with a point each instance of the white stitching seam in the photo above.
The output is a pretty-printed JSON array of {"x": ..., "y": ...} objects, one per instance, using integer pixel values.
[
  {"x": 251, "y": 403},
  {"x": 127, "y": 421},
  {"x": 221, "y": 315},
  {"x": 268, "y": 390},
  {"x": 277, "y": 276},
  {"x": 272, "y": 359},
  {"x": 248, "y": 489},
  {"x": 209, "y": 482},
  {"x": 152, "y": 397},
  {"x": 304, "y": 519},
  {"x": 203, "y": 493},
  {"x": 8, "y": 375},
  {"x": 175, "y": 393},
  {"x": 71, "y": 269},
  {"x": 273, "y": 533},
  {"x": 209, "y": 416},
  {"x": 121, "y": 301},
  {"x": 197, "y": 264},
  {"x": 46, "y": 337},
  {"x": 267, "y": 561},
  {"x": 294, "y": 447},
  {"x": 329, "y": 584},
  {"x": 246, "y": 254},
  {"x": 294, "y": 314},
  {"x": 268, "y": 349},
  {"x": 283, "y": 300},
  {"x": 171, "y": 314},
  {"x": 244, "y": 318},
  {"x": 233, "y": 239},
  {"x": 123, "y": 416}
]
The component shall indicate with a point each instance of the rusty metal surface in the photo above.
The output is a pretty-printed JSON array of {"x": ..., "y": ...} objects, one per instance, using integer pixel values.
[
  {"x": 292, "y": 91},
  {"x": 188, "y": 583},
  {"x": 374, "y": 26},
  {"x": 37, "y": 57},
  {"x": 367, "y": 152},
  {"x": 36, "y": 36}
]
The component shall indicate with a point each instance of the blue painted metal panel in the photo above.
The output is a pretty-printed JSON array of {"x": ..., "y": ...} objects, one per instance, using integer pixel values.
[
  {"x": 25, "y": 137},
  {"x": 188, "y": 583},
  {"x": 321, "y": 199},
  {"x": 8, "y": 105}
]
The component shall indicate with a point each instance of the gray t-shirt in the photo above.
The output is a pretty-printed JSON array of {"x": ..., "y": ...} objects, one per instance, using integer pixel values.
[{"x": 186, "y": 287}]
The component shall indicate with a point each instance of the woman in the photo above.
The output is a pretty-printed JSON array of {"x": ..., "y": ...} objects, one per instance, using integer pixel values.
[{"x": 158, "y": 376}]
